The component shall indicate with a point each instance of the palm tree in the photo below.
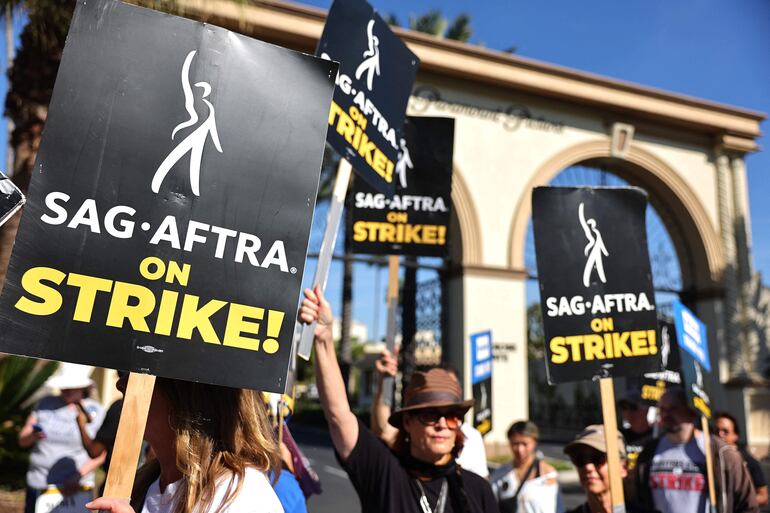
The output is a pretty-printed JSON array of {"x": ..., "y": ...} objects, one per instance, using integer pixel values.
[
  {"x": 30, "y": 85},
  {"x": 434, "y": 23}
]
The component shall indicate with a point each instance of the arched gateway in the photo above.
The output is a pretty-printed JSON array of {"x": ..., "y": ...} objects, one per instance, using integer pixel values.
[{"x": 520, "y": 122}]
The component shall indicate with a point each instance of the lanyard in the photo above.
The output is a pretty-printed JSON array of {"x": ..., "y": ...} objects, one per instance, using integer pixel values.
[{"x": 440, "y": 504}]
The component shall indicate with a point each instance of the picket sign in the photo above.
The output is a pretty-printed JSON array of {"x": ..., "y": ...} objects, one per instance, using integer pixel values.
[
  {"x": 327, "y": 248},
  {"x": 606, "y": 386},
  {"x": 390, "y": 332},
  {"x": 128, "y": 442}
]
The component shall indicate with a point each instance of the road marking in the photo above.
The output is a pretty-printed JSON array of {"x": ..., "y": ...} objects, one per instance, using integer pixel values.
[{"x": 335, "y": 471}]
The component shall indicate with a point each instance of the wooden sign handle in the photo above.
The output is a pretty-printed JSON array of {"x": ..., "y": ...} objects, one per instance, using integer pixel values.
[
  {"x": 128, "y": 442},
  {"x": 709, "y": 461},
  {"x": 390, "y": 331},
  {"x": 611, "y": 437}
]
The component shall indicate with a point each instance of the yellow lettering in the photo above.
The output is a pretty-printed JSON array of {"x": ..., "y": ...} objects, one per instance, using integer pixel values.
[
  {"x": 178, "y": 274},
  {"x": 620, "y": 344},
  {"x": 559, "y": 353},
  {"x": 120, "y": 309},
  {"x": 639, "y": 343},
  {"x": 594, "y": 347},
  {"x": 237, "y": 324},
  {"x": 31, "y": 282},
  {"x": 89, "y": 286},
  {"x": 574, "y": 343},
  {"x": 194, "y": 318},
  {"x": 166, "y": 311}
]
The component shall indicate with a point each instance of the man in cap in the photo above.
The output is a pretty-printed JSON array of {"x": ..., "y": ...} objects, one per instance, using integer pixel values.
[
  {"x": 671, "y": 473},
  {"x": 588, "y": 452},
  {"x": 639, "y": 430}
]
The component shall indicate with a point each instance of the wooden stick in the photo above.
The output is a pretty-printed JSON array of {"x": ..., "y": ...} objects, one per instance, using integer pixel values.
[
  {"x": 128, "y": 442},
  {"x": 709, "y": 461},
  {"x": 390, "y": 333},
  {"x": 611, "y": 438},
  {"x": 336, "y": 205}
]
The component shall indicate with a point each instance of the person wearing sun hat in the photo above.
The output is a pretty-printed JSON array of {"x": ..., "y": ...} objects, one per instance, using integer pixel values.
[
  {"x": 58, "y": 458},
  {"x": 420, "y": 474}
]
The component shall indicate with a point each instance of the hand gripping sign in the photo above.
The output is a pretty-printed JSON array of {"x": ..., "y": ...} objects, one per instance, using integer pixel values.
[
  {"x": 375, "y": 79},
  {"x": 376, "y": 75},
  {"x": 171, "y": 202},
  {"x": 595, "y": 283}
]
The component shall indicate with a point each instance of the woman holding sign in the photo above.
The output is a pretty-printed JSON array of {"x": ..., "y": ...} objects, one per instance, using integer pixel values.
[
  {"x": 420, "y": 474},
  {"x": 214, "y": 448}
]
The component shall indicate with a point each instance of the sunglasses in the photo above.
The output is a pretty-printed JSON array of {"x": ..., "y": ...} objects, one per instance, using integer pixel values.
[
  {"x": 431, "y": 416},
  {"x": 582, "y": 459}
]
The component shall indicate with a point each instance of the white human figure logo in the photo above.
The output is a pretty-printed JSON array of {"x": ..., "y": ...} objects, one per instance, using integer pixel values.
[
  {"x": 196, "y": 140},
  {"x": 698, "y": 375},
  {"x": 404, "y": 162},
  {"x": 371, "y": 62},
  {"x": 484, "y": 397},
  {"x": 665, "y": 346},
  {"x": 593, "y": 250}
]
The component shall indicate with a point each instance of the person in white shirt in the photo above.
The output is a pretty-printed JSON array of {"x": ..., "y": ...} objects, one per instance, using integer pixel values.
[
  {"x": 214, "y": 448},
  {"x": 473, "y": 456},
  {"x": 529, "y": 484}
]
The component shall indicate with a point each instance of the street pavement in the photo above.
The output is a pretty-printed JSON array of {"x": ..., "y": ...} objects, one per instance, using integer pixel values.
[{"x": 338, "y": 494}]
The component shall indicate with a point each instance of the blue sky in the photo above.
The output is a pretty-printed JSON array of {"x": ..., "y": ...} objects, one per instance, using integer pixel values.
[{"x": 713, "y": 49}]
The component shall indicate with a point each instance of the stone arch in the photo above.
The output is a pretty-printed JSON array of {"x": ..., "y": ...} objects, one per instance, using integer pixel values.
[
  {"x": 465, "y": 229},
  {"x": 695, "y": 239}
]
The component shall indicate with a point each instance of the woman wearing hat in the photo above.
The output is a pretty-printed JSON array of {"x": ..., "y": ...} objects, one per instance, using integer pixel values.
[
  {"x": 420, "y": 474},
  {"x": 588, "y": 452},
  {"x": 58, "y": 458}
]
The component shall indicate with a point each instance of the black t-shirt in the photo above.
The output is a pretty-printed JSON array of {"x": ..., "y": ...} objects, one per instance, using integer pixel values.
[
  {"x": 635, "y": 442},
  {"x": 384, "y": 486},
  {"x": 109, "y": 429},
  {"x": 755, "y": 469}
]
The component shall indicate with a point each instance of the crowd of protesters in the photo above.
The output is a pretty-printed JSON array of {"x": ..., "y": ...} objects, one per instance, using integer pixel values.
[{"x": 218, "y": 449}]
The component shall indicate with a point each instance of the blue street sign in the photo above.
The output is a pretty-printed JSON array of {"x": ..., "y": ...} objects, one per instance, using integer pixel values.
[
  {"x": 481, "y": 356},
  {"x": 691, "y": 334}
]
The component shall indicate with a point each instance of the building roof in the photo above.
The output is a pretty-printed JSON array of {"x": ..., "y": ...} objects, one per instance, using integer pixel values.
[{"x": 299, "y": 27}]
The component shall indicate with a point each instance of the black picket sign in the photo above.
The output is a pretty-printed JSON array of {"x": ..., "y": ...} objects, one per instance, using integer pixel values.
[
  {"x": 171, "y": 201},
  {"x": 654, "y": 384},
  {"x": 375, "y": 78},
  {"x": 595, "y": 282},
  {"x": 415, "y": 221}
]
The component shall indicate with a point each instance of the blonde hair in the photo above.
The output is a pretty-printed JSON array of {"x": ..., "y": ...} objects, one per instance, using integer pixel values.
[{"x": 220, "y": 431}]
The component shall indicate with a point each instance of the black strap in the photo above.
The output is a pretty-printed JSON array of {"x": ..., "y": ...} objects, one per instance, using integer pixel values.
[{"x": 524, "y": 480}]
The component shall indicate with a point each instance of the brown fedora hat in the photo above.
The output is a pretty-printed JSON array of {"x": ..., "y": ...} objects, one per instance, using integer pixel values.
[{"x": 436, "y": 388}]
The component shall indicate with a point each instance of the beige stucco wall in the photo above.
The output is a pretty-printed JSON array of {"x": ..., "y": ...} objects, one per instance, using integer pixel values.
[{"x": 497, "y": 166}]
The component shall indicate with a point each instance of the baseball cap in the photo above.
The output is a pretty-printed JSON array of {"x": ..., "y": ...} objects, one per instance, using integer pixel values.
[{"x": 593, "y": 436}]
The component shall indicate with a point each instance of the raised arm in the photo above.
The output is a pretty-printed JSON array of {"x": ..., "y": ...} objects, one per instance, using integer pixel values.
[
  {"x": 387, "y": 365},
  {"x": 28, "y": 436},
  {"x": 343, "y": 425}
]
